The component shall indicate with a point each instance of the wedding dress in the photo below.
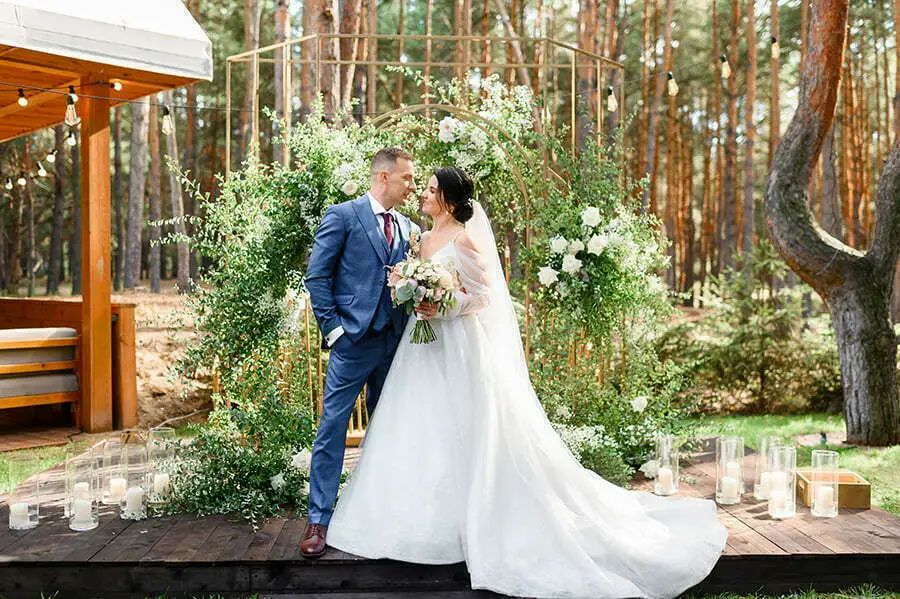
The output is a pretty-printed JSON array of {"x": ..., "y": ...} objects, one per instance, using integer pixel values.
[{"x": 460, "y": 463}]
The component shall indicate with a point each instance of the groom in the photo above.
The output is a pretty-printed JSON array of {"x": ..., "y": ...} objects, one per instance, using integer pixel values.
[{"x": 347, "y": 283}]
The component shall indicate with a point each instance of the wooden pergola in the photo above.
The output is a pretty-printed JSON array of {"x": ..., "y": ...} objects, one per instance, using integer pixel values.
[{"x": 141, "y": 49}]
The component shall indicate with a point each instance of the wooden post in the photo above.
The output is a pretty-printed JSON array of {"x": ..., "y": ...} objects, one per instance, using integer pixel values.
[
  {"x": 125, "y": 373},
  {"x": 97, "y": 414}
]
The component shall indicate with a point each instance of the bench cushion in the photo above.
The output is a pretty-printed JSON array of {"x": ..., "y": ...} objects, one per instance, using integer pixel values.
[
  {"x": 37, "y": 384},
  {"x": 38, "y": 354}
]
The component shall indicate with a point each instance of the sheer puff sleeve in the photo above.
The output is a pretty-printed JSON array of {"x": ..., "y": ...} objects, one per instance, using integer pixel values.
[{"x": 474, "y": 292}]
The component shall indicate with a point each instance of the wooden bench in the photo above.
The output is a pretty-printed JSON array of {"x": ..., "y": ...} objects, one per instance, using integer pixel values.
[{"x": 18, "y": 313}]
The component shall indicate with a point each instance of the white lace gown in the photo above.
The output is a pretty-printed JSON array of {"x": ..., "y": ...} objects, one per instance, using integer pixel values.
[{"x": 460, "y": 463}]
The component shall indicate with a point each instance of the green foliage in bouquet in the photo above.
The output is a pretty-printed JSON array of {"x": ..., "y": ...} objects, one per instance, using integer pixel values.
[{"x": 758, "y": 347}]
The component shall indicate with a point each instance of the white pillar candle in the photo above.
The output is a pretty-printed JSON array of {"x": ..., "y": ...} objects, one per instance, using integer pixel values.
[
  {"x": 765, "y": 481},
  {"x": 18, "y": 516},
  {"x": 134, "y": 499},
  {"x": 777, "y": 501},
  {"x": 779, "y": 481},
  {"x": 733, "y": 469},
  {"x": 117, "y": 489},
  {"x": 730, "y": 488},
  {"x": 666, "y": 478},
  {"x": 81, "y": 509},
  {"x": 825, "y": 498},
  {"x": 161, "y": 483},
  {"x": 82, "y": 490}
]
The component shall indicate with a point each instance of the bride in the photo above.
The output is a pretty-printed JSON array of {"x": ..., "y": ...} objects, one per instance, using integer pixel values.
[{"x": 460, "y": 463}]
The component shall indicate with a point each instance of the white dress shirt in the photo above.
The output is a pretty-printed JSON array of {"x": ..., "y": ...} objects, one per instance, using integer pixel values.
[{"x": 380, "y": 215}]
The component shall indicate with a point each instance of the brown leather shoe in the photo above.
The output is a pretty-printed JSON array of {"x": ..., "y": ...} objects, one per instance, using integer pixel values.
[{"x": 313, "y": 543}]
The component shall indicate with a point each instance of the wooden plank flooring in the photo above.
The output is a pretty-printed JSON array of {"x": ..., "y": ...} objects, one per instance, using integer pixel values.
[{"x": 186, "y": 555}]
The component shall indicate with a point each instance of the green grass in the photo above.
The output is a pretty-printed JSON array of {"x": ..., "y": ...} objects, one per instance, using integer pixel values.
[
  {"x": 47, "y": 457},
  {"x": 879, "y": 465}
]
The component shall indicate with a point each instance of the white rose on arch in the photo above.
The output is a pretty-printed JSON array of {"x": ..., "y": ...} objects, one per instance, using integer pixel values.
[
  {"x": 350, "y": 187},
  {"x": 591, "y": 216},
  {"x": 448, "y": 129},
  {"x": 558, "y": 245},
  {"x": 277, "y": 482},
  {"x": 576, "y": 246},
  {"x": 301, "y": 460},
  {"x": 547, "y": 276},
  {"x": 571, "y": 264},
  {"x": 639, "y": 403},
  {"x": 597, "y": 244}
]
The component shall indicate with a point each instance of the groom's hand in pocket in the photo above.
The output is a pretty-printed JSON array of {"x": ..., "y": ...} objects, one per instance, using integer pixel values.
[{"x": 426, "y": 310}]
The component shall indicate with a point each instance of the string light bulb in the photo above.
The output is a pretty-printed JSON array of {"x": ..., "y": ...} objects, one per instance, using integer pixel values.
[
  {"x": 9, "y": 184},
  {"x": 116, "y": 85},
  {"x": 671, "y": 84},
  {"x": 71, "y": 139},
  {"x": 21, "y": 180},
  {"x": 72, "y": 118},
  {"x": 72, "y": 95},
  {"x": 42, "y": 172},
  {"x": 776, "y": 49},
  {"x": 612, "y": 104},
  {"x": 51, "y": 156},
  {"x": 168, "y": 125},
  {"x": 23, "y": 101},
  {"x": 726, "y": 68}
]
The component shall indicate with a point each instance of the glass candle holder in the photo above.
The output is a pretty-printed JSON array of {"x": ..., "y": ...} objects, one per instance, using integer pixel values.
[
  {"x": 112, "y": 477},
  {"x": 762, "y": 479},
  {"x": 667, "y": 466},
  {"x": 729, "y": 471},
  {"x": 161, "y": 452},
  {"x": 825, "y": 483},
  {"x": 24, "y": 495},
  {"x": 782, "y": 493},
  {"x": 133, "y": 504},
  {"x": 82, "y": 486}
]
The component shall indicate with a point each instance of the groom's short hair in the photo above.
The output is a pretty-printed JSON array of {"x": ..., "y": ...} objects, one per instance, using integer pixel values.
[{"x": 386, "y": 159}]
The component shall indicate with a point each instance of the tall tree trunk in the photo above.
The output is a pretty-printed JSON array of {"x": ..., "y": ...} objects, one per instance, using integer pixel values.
[
  {"x": 176, "y": 198},
  {"x": 729, "y": 184},
  {"x": 660, "y": 89},
  {"x": 775, "y": 93},
  {"x": 155, "y": 204},
  {"x": 282, "y": 69},
  {"x": 372, "y": 75},
  {"x": 75, "y": 239},
  {"x": 326, "y": 14},
  {"x": 118, "y": 255},
  {"x": 140, "y": 124},
  {"x": 856, "y": 287},
  {"x": 895, "y": 303},
  {"x": 30, "y": 246},
  {"x": 749, "y": 129},
  {"x": 831, "y": 206},
  {"x": 54, "y": 270},
  {"x": 308, "y": 51},
  {"x": 252, "y": 17},
  {"x": 515, "y": 45},
  {"x": 587, "y": 28},
  {"x": 718, "y": 166},
  {"x": 351, "y": 20}
]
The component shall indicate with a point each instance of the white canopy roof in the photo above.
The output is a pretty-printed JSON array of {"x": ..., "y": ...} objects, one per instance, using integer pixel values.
[{"x": 159, "y": 36}]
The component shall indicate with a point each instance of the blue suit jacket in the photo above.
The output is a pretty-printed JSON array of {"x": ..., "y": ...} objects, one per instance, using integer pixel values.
[{"x": 346, "y": 273}]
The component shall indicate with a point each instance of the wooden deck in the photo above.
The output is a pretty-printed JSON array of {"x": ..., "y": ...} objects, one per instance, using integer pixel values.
[{"x": 187, "y": 556}]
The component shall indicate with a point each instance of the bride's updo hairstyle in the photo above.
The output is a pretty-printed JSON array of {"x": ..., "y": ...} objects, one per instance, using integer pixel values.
[{"x": 456, "y": 192}]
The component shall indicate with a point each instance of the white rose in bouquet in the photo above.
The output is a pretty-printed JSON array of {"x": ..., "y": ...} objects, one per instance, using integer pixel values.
[
  {"x": 571, "y": 264},
  {"x": 576, "y": 246},
  {"x": 558, "y": 245},
  {"x": 547, "y": 276},
  {"x": 597, "y": 244},
  {"x": 591, "y": 216}
]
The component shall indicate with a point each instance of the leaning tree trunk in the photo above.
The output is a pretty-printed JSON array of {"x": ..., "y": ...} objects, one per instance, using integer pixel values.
[
  {"x": 855, "y": 285},
  {"x": 140, "y": 112},
  {"x": 177, "y": 202}
]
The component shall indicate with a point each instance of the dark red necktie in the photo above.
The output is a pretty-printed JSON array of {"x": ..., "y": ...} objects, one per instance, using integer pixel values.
[{"x": 388, "y": 228}]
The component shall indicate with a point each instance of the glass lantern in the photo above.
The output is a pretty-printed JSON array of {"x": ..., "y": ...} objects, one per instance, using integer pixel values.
[
  {"x": 667, "y": 466},
  {"x": 82, "y": 487},
  {"x": 24, "y": 495},
  {"x": 782, "y": 493},
  {"x": 133, "y": 504},
  {"x": 112, "y": 477},
  {"x": 762, "y": 479},
  {"x": 825, "y": 483},
  {"x": 729, "y": 473},
  {"x": 161, "y": 452}
]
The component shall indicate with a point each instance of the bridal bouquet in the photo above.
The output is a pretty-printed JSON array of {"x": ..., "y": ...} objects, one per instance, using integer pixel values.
[{"x": 414, "y": 281}]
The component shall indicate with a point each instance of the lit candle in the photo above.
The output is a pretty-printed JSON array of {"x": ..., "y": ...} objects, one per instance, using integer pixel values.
[
  {"x": 825, "y": 498},
  {"x": 82, "y": 490},
  {"x": 134, "y": 499},
  {"x": 765, "y": 481},
  {"x": 161, "y": 483},
  {"x": 81, "y": 509},
  {"x": 777, "y": 502},
  {"x": 733, "y": 469},
  {"x": 730, "y": 488},
  {"x": 117, "y": 489},
  {"x": 666, "y": 478},
  {"x": 18, "y": 516}
]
